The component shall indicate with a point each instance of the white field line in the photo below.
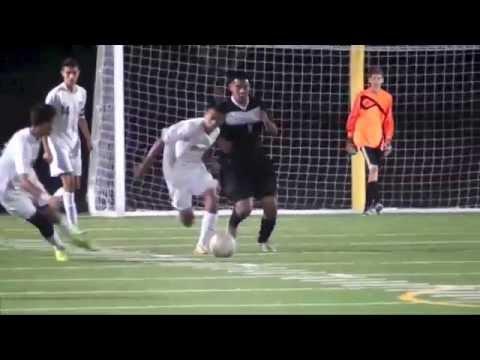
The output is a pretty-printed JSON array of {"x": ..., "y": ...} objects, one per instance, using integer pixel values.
[
  {"x": 204, "y": 278},
  {"x": 307, "y": 232},
  {"x": 295, "y": 245},
  {"x": 162, "y": 278},
  {"x": 197, "y": 306},
  {"x": 7, "y": 294},
  {"x": 305, "y": 263}
]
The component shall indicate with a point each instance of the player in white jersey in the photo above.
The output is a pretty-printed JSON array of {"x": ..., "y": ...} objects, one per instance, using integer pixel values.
[
  {"x": 63, "y": 147},
  {"x": 21, "y": 193},
  {"x": 184, "y": 145}
]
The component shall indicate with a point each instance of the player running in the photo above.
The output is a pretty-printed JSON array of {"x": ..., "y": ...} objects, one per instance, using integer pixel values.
[
  {"x": 184, "y": 145},
  {"x": 246, "y": 171},
  {"x": 370, "y": 129},
  {"x": 63, "y": 147},
  {"x": 21, "y": 193}
]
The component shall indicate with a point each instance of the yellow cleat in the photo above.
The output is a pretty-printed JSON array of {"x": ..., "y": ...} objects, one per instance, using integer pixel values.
[
  {"x": 61, "y": 255},
  {"x": 200, "y": 251}
]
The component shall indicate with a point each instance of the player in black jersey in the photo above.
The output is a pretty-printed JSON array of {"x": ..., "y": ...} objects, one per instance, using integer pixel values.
[{"x": 246, "y": 171}]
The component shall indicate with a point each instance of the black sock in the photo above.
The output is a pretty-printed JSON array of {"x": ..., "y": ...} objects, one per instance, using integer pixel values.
[
  {"x": 266, "y": 230},
  {"x": 235, "y": 219},
  {"x": 369, "y": 197},
  {"x": 45, "y": 227},
  {"x": 372, "y": 194}
]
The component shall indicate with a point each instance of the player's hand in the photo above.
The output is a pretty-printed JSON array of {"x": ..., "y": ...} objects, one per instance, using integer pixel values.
[
  {"x": 48, "y": 157},
  {"x": 387, "y": 149},
  {"x": 350, "y": 147},
  {"x": 270, "y": 126},
  {"x": 224, "y": 145},
  {"x": 138, "y": 171},
  {"x": 89, "y": 145}
]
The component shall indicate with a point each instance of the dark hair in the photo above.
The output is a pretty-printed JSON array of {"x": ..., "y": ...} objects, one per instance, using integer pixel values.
[
  {"x": 236, "y": 75},
  {"x": 70, "y": 62},
  {"x": 216, "y": 104},
  {"x": 375, "y": 70},
  {"x": 41, "y": 114}
]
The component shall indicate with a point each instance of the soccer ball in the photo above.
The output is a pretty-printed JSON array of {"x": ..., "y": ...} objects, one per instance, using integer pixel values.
[{"x": 222, "y": 245}]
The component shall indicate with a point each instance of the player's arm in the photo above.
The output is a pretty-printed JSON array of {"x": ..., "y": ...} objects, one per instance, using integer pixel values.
[
  {"x": 40, "y": 196},
  {"x": 351, "y": 122},
  {"x": 152, "y": 155},
  {"x": 388, "y": 130},
  {"x": 83, "y": 125},
  {"x": 47, "y": 153},
  {"x": 23, "y": 168},
  {"x": 269, "y": 125}
]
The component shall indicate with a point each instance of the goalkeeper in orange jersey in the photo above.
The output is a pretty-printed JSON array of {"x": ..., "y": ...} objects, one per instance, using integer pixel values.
[{"x": 370, "y": 129}]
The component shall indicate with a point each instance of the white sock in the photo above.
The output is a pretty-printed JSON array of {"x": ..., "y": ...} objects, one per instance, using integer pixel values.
[
  {"x": 56, "y": 241},
  {"x": 59, "y": 192},
  {"x": 209, "y": 226},
  {"x": 70, "y": 208}
]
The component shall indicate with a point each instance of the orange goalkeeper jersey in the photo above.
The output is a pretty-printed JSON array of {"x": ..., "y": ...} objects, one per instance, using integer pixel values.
[{"x": 371, "y": 121}]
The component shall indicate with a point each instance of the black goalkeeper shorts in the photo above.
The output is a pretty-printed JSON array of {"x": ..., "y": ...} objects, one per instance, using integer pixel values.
[
  {"x": 373, "y": 156},
  {"x": 243, "y": 181}
]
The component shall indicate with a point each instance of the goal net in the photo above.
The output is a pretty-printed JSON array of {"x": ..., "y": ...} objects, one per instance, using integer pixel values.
[{"x": 142, "y": 89}]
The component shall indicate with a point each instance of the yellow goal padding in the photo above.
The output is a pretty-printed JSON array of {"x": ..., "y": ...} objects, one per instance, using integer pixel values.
[{"x": 357, "y": 75}]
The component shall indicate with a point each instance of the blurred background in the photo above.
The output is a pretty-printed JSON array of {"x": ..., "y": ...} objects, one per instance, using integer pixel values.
[{"x": 27, "y": 74}]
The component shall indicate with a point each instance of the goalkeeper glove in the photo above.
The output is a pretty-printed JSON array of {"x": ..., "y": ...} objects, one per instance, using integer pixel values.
[{"x": 350, "y": 147}]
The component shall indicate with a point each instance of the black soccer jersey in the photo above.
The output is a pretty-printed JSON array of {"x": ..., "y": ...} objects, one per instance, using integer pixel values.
[{"x": 243, "y": 128}]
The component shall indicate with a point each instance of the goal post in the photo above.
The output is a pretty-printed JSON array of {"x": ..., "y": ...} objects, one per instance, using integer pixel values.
[
  {"x": 357, "y": 83},
  {"x": 435, "y": 165}
]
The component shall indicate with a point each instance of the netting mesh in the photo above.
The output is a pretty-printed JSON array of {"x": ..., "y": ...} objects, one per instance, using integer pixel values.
[
  {"x": 305, "y": 89},
  {"x": 436, "y": 90},
  {"x": 437, "y": 111}
]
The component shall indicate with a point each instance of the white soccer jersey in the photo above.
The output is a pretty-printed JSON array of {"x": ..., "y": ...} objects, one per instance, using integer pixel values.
[
  {"x": 185, "y": 144},
  {"x": 70, "y": 108},
  {"x": 18, "y": 157}
]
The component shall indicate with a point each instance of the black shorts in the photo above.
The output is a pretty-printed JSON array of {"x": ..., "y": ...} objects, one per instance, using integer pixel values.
[
  {"x": 373, "y": 156},
  {"x": 241, "y": 181}
]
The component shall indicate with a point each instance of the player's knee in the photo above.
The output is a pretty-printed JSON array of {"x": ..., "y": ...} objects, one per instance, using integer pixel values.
[
  {"x": 68, "y": 182},
  {"x": 187, "y": 218},
  {"x": 243, "y": 210},
  {"x": 42, "y": 223},
  {"x": 270, "y": 207}
]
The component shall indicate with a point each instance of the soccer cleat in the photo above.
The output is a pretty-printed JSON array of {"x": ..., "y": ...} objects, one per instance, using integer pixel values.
[
  {"x": 267, "y": 247},
  {"x": 369, "y": 211},
  {"x": 60, "y": 255},
  {"x": 379, "y": 208},
  {"x": 80, "y": 242},
  {"x": 200, "y": 251},
  {"x": 75, "y": 230}
]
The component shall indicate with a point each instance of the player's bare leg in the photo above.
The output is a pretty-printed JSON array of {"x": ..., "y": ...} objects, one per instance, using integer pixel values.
[
  {"x": 187, "y": 217},
  {"x": 241, "y": 210},
  {"x": 269, "y": 205},
  {"x": 209, "y": 222}
]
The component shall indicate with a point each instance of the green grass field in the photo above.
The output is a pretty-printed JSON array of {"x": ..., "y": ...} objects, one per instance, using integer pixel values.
[{"x": 392, "y": 264}]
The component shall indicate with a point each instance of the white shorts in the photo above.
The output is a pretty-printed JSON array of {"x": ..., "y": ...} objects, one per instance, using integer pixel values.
[
  {"x": 183, "y": 183},
  {"x": 65, "y": 159},
  {"x": 18, "y": 202}
]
